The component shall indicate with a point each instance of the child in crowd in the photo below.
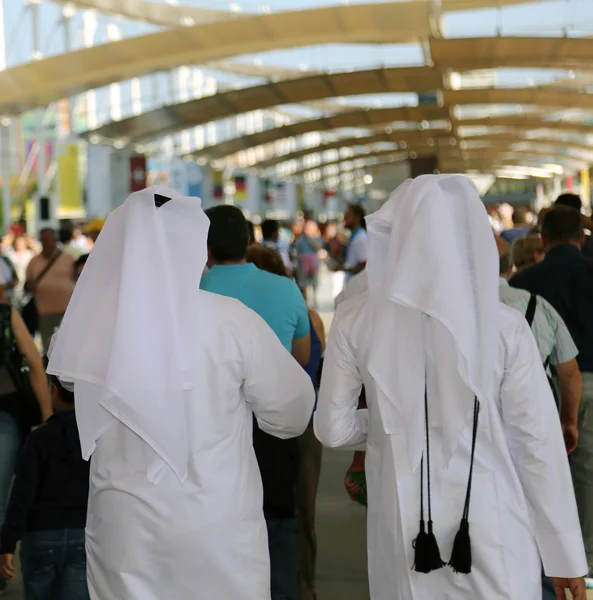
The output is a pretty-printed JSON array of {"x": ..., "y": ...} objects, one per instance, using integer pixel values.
[{"x": 47, "y": 508}]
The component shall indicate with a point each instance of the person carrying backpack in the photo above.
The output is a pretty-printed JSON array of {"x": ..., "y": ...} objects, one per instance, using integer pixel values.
[{"x": 24, "y": 396}]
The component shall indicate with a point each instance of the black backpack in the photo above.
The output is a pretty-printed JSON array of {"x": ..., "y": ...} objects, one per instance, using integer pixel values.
[{"x": 530, "y": 316}]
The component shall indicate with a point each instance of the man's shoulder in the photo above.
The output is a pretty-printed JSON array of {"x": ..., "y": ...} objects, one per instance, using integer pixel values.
[{"x": 352, "y": 311}]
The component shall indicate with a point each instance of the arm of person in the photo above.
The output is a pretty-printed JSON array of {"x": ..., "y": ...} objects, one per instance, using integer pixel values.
[
  {"x": 27, "y": 348},
  {"x": 301, "y": 344},
  {"x": 319, "y": 328},
  {"x": 337, "y": 421},
  {"x": 23, "y": 493},
  {"x": 279, "y": 390},
  {"x": 571, "y": 388},
  {"x": 536, "y": 444},
  {"x": 30, "y": 276},
  {"x": 563, "y": 358}
]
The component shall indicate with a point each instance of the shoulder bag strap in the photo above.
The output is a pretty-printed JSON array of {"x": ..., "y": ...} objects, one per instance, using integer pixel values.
[
  {"x": 530, "y": 313},
  {"x": 48, "y": 266}
]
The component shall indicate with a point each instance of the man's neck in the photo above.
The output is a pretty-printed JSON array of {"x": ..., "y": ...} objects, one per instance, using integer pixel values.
[
  {"x": 566, "y": 243},
  {"x": 227, "y": 263},
  {"x": 48, "y": 253}
]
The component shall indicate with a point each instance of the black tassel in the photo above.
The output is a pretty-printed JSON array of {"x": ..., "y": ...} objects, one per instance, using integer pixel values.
[
  {"x": 461, "y": 556},
  {"x": 427, "y": 556}
]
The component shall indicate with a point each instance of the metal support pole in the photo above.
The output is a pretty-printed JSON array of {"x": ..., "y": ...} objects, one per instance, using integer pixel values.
[
  {"x": 5, "y": 156},
  {"x": 67, "y": 26}
]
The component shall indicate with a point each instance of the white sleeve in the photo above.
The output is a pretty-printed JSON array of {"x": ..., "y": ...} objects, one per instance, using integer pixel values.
[
  {"x": 337, "y": 421},
  {"x": 279, "y": 390},
  {"x": 535, "y": 439}
]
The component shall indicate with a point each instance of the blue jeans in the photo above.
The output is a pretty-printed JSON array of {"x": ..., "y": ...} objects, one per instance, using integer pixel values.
[
  {"x": 283, "y": 541},
  {"x": 10, "y": 443},
  {"x": 548, "y": 588},
  {"x": 54, "y": 565}
]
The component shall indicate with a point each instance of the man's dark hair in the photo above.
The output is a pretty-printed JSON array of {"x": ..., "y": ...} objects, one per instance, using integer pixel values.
[
  {"x": 519, "y": 216},
  {"x": 66, "y": 234},
  {"x": 269, "y": 229},
  {"x": 358, "y": 211},
  {"x": 562, "y": 225},
  {"x": 228, "y": 237},
  {"x": 65, "y": 395},
  {"x": 570, "y": 200},
  {"x": 251, "y": 230},
  {"x": 49, "y": 230}
]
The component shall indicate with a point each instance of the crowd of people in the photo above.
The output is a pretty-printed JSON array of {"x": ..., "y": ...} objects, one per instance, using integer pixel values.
[{"x": 458, "y": 368}]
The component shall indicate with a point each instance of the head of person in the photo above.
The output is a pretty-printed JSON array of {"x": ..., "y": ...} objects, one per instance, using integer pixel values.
[
  {"x": 66, "y": 235},
  {"x": 528, "y": 251},
  {"x": 505, "y": 257},
  {"x": 228, "y": 236},
  {"x": 270, "y": 231},
  {"x": 93, "y": 229},
  {"x": 354, "y": 217},
  {"x": 267, "y": 259},
  {"x": 49, "y": 242},
  {"x": 20, "y": 243},
  {"x": 79, "y": 266},
  {"x": 61, "y": 398},
  {"x": 519, "y": 217},
  {"x": 311, "y": 229},
  {"x": 570, "y": 200},
  {"x": 251, "y": 229},
  {"x": 562, "y": 225}
]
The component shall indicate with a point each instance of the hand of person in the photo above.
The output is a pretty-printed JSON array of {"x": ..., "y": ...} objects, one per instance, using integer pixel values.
[
  {"x": 7, "y": 569},
  {"x": 575, "y": 585},
  {"x": 571, "y": 436},
  {"x": 352, "y": 487}
]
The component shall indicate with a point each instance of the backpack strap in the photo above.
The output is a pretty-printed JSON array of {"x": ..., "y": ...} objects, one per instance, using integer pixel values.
[{"x": 530, "y": 313}]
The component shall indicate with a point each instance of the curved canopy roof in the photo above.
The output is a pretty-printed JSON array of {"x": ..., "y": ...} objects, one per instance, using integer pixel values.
[
  {"x": 496, "y": 52},
  {"x": 439, "y": 139},
  {"x": 356, "y": 118},
  {"x": 449, "y": 160},
  {"x": 44, "y": 81},
  {"x": 226, "y": 104},
  {"x": 519, "y": 96},
  {"x": 397, "y": 137},
  {"x": 173, "y": 16}
]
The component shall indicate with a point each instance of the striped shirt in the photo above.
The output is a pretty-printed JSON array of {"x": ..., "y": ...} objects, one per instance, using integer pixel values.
[{"x": 551, "y": 334}]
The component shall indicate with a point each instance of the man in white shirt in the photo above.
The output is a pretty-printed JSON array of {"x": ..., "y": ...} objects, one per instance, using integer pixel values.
[
  {"x": 166, "y": 395},
  {"x": 356, "y": 253},
  {"x": 469, "y": 484}
]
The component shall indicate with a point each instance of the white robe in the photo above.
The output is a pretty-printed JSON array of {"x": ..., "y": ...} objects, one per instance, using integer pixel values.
[
  {"x": 205, "y": 539},
  {"x": 522, "y": 504}
]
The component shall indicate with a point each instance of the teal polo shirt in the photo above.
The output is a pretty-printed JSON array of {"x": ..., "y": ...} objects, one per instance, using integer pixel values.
[{"x": 277, "y": 300}]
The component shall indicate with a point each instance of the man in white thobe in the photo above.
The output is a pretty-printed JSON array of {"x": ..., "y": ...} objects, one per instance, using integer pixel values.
[
  {"x": 461, "y": 430},
  {"x": 167, "y": 379}
]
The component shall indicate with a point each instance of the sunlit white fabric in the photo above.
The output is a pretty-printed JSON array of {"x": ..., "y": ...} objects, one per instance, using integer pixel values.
[
  {"x": 432, "y": 278},
  {"x": 523, "y": 511},
  {"x": 128, "y": 334}
]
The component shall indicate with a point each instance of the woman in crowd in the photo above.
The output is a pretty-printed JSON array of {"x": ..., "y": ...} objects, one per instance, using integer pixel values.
[
  {"x": 306, "y": 247},
  {"x": 19, "y": 410},
  {"x": 310, "y": 450}
]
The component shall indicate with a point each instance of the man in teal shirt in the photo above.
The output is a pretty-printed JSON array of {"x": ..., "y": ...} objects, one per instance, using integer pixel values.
[
  {"x": 277, "y": 300},
  {"x": 280, "y": 303}
]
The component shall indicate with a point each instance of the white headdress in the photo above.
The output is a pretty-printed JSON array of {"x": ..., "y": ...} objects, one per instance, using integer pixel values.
[
  {"x": 128, "y": 339},
  {"x": 433, "y": 275}
]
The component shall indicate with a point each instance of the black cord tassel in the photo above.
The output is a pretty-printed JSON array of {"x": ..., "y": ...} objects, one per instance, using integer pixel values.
[
  {"x": 461, "y": 556},
  {"x": 427, "y": 557}
]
